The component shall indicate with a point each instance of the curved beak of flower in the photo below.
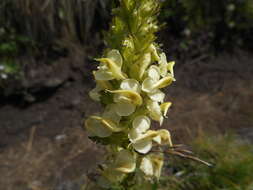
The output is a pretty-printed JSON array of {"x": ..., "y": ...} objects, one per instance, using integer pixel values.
[
  {"x": 129, "y": 95},
  {"x": 163, "y": 82},
  {"x": 113, "y": 68},
  {"x": 98, "y": 126},
  {"x": 163, "y": 137},
  {"x": 164, "y": 107}
]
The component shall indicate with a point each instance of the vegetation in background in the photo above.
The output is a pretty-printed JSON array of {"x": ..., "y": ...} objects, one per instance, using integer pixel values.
[
  {"x": 12, "y": 46},
  {"x": 48, "y": 22},
  {"x": 227, "y": 22},
  {"x": 232, "y": 161}
]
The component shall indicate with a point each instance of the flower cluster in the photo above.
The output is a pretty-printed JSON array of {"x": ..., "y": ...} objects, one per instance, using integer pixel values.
[{"x": 129, "y": 83}]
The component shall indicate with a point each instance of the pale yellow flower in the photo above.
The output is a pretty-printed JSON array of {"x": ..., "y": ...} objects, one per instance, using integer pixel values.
[
  {"x": 124, "y": 163},
  {"x": 128, "y": 97},
  {"x": 166, "y": 68},
  {"x": 141, "y": 138},
  {"x": 103, "y": 126},
  {"x": 110, "y": 67},
  {"x": 155, "y": 111},
  {"x": 151, "y": 165}
]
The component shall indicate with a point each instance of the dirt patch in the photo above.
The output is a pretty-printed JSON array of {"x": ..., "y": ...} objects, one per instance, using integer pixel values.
[{"x": 43, "y": 143}]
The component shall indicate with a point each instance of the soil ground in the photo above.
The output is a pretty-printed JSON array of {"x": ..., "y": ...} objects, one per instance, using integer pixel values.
[{"x": 43, "y": 145}]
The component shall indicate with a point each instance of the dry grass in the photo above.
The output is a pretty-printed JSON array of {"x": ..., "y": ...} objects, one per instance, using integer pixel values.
[{"x": 47, "y": 20}]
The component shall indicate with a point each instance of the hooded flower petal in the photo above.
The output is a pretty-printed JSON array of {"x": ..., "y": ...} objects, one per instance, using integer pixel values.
[
  {"x": 94, "y": 93},
  {"x": 164, "y": 107},
  {"x": 154, "y": 53},
  {"x": 110, "y": 113},
  {"x": 154, "y": 72},
  {"x": 143, "y": 147},
  {"x": 103, "y": 75},
  {"x": 141, "y": 124},
  {"x": 144, "y": 63},
  {"x": 151, "y": 165},
  {"x": 163, "y": 65},
  {"x": 166, "y": 67},
  {"x": 98, "y": 126},
  {"x": 147, "y": 166},
  {"x": 125, "y": 162},
  {"x": 110, "y": 67},
  {"x": 124, "y": 108},
  {"x": 163, "y": 137},
  {"x": 163, "y": 82},
  {"x": 170, "y": 68},
  {"x": 143, "y": 142},
  {"x": 129, "y": 96},
  {"x": 115, "y": 56},
  {"x": 157, "y": 162},
  {"x": 155, "y": 111},
  {"x": 157, "y": 96},
  {"x": 130, "y": 84},
  {"x": 148, "y": 85}
]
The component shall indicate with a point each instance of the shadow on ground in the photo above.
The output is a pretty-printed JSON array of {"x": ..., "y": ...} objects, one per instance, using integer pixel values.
[{"x": 43, "y": 144}]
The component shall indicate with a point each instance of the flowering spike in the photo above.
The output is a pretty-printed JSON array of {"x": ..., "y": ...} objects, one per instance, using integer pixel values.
[{"x": 130, "y": 79}]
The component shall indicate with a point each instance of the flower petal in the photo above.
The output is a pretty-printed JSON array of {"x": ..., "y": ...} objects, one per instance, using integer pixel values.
[
  {"x": 144, "y": 63},
  {"x": 164, "y": 107},
  {"x": 157, "y": 163},
  {"x": 170, "y": 68},
  {"x": 154, "y": 72},
  {"x": 141, "y": 124},
  {"x": 116, "y": 57},
  {"x": 154, "y": 110},
  {"x": 95, "y": 128},
  {"x": 143, "y": 147},
  {"x": 113, "y": 68},
  {"x": 129, "y": 95},
  {"x": 110, "y": 113},
  {"x": 103, "y": 75},
  {"x": 157, "y": 96},
  {"x": 163, "y": 82},
  {"x": 147, "y": 166},
  {"x": 94, "y": 93},
  {"x": 98, "y": 126},
  {"x": 165, "y": 137},
  {"x": 148, "y": 85},
  {"x": 130, "y": 84},
  {"x": 125, "y": 162},
  {"x": 154, "y": 53},
  {"x": 124, "y": 108}
]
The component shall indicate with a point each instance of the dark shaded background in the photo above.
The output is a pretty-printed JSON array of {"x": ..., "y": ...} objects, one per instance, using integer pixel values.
[{"x": 46, "y": 58}]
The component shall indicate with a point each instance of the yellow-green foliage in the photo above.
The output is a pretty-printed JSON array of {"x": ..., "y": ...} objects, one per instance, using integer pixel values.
[{"x": 232, "y": 161}]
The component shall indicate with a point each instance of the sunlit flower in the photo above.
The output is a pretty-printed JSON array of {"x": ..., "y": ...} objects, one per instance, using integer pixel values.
[
  {"x": 166, "y": 68},
  {"x": 155, "y": 111},
  {"x": 110, "y": 67},
  {"x": 154, "y": 53},
  {"x": 141, "y": 138},
  {"x": 153, "y": 83},
  {"x": 103, "y": 126},
  {"x": 124, "y": 163},
  {"x": 128, "y": 97},
  {"x": 151, "y": 165}
]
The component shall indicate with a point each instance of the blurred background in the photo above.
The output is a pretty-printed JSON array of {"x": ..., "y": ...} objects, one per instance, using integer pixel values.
[{"x": 47, "y": 49}]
